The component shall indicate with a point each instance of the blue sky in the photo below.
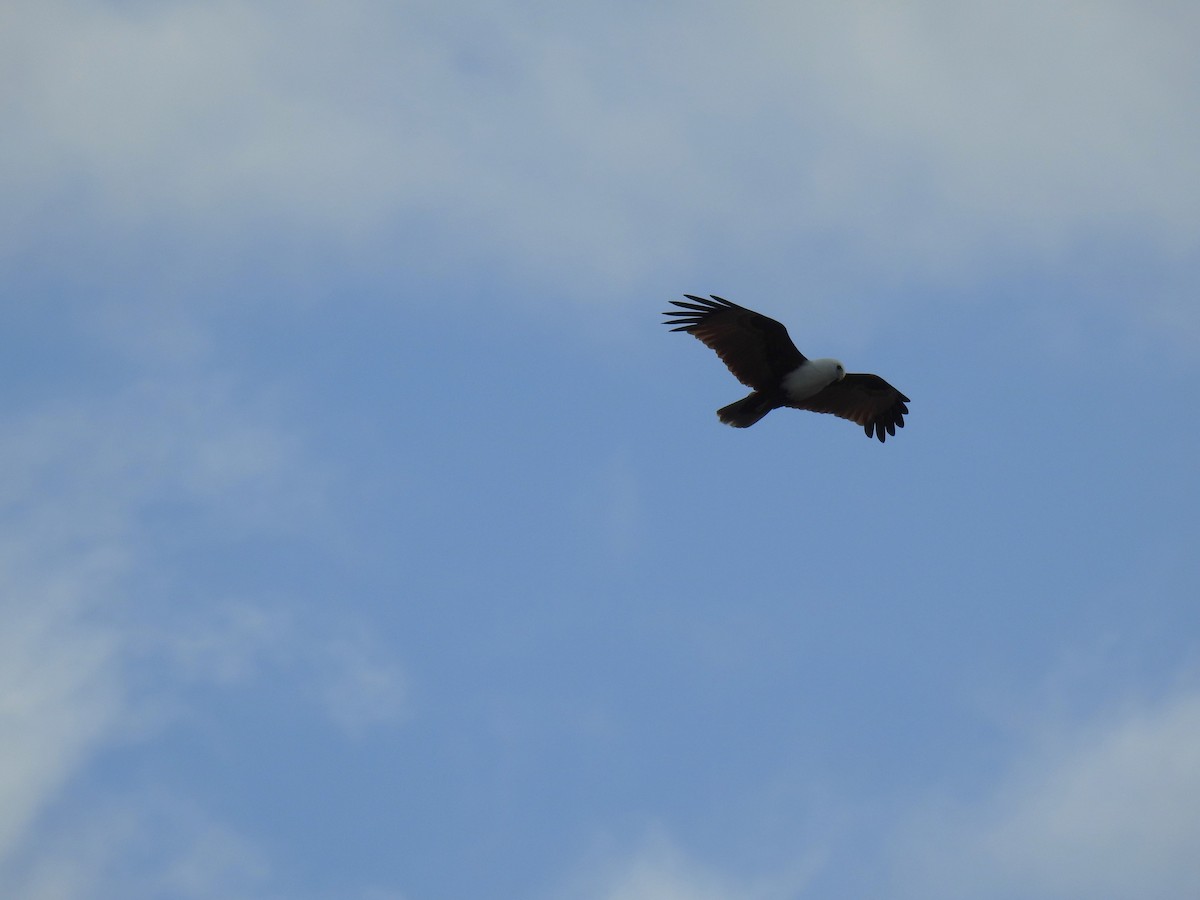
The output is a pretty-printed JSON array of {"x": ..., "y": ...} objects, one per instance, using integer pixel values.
[{"x": 364, "y": 534}]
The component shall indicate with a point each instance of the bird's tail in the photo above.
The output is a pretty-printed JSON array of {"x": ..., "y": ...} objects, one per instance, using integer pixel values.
[{"x": 747, "y": 411}]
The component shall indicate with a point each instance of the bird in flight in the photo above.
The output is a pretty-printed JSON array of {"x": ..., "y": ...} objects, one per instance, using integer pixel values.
[{"x": 761, "y": 356}]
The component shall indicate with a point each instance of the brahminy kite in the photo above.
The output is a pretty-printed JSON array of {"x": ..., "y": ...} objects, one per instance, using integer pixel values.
[{"x": 761, "y": 356}]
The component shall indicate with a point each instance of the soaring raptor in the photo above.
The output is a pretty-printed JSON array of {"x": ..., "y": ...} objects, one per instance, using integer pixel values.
[{"x": 761, "y": 356}]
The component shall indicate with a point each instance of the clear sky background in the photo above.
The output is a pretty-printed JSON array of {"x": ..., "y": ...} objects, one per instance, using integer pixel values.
[{"x": 365, "y": 535}]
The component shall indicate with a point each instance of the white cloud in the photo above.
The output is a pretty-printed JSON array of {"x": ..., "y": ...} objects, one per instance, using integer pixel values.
[
  {"x": 338, "y": 667},
  {"x": 95, "y": 647},
  {"x": 1054, "y": 119},
  {"x": 227, "y": 644},
  {"x": 1100, "y": 809},
  {"x": 1106, "y": 811},
  {"x": 60, "y": 692},
  {"x": 658, "y": 869},
  {"x": 918, "y": 140},
  {"x": 360, "y": 687},
  {"x": 140, "y": 846}
]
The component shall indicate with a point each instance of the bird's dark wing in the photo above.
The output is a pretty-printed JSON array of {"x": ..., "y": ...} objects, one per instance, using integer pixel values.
[
  {"x": 866, "y": 399},
  {"x": 756, "y": 349}
]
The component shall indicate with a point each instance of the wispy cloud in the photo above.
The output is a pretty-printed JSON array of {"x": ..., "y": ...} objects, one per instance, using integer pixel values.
[
  {"x": 360, "y": 686},
  {"x": 1103, "y": 809},
  {"x": 60, "y": 689},
  {"x": 140, "y": 846},
  {"x": 95, "y": 649},
  {"x": 337, "y": 666},
  {"x": 658, "y": 869}
]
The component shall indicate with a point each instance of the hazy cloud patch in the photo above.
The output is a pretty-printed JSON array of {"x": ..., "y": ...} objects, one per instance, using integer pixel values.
[
  {"x": 94, "y": 495},
  {"x": 1105, "y": 810},
  {"x": 141, "y": 846},
  {"x": 867, "y": 141},
  {"x": 659, "y": 869}
]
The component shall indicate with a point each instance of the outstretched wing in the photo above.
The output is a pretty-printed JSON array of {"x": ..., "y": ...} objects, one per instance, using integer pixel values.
[
  {"x": 756, "y": 349},
  {"x": 866, "y": 399}
]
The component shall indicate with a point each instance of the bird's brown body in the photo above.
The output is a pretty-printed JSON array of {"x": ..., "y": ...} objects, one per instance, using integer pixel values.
[{"x": 761, "y": 355}]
